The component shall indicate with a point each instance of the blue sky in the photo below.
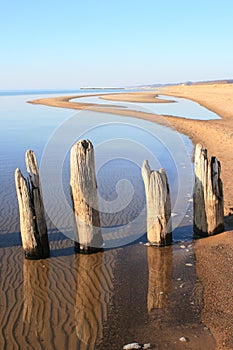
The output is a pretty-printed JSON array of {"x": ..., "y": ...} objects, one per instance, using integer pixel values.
[{"x": 68, "y": 44}]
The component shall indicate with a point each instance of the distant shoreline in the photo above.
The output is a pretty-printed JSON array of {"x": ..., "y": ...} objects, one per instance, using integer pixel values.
[{"x": 102, "y": 88}]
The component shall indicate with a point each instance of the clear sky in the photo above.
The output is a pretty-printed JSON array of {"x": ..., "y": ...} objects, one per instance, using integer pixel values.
[{"x": 73, "y": 43}]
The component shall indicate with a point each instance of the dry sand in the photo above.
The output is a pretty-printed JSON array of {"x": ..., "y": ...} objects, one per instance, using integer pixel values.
[
  {"x": 145, "y": 97},
  {"x": 214, "y": 255}
]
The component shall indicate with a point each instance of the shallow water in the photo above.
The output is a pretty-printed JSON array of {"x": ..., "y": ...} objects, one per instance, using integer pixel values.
[
  {"x": 129, "y": 293},
  {"x": 121, "y": 144},
  {"x": 180, "y": 107},
  {"x": 101, "y": 301}
]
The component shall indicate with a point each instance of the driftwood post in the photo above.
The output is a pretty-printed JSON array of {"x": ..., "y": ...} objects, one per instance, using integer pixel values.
[
  {"x": 208, "y": 194},
  {"x": 159, "y": 228},
  {"x": 83, "y": 187},
  {"x": 31, "y": 210}
]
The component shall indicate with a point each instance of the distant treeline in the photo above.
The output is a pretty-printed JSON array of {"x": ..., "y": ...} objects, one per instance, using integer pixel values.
[{"x": 224, "y": 81}]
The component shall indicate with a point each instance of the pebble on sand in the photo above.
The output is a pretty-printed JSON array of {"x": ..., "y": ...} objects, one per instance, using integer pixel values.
[
  {"x": 133, "y": 346},
  {"x": 183, "y": 339}
]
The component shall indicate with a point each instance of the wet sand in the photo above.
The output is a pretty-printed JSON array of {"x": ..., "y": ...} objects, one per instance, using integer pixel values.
[
  {"x": 101, "y": 301},
  {"x": 214, "y": 257}
]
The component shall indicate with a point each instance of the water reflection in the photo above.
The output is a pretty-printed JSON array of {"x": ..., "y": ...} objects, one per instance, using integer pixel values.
[
  {"x": 36, "y": 300},
  {"x": 94, "y": 289},
  {"x": 160, "y": 277}
]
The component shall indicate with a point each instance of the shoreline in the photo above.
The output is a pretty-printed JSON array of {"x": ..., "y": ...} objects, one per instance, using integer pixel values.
[
  {"x": 220, "y": 130},
  {"x": 214, "y": 257}
]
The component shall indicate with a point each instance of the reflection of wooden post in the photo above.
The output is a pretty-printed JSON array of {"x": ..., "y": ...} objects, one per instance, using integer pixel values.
[
  {"x": 160, "y": 277},
  {"x": 159, "y": 229},
  {"x": 83, "y": 187},
  {"x": 40, "y": 307},
  {"x": 208, "y": 194},
  {"x": 31, "y": 209},
  {"x": 94, "y": 288},
  {"x": 36, "y": 300}
]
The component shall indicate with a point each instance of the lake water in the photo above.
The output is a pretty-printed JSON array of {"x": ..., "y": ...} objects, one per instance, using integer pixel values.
[
  {"x": 121, "y": 144},
  {"x": 105, "y": 300},
  {"x": 180, "y": 107}
]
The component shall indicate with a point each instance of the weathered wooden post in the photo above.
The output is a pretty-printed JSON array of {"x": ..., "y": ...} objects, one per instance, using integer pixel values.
[
  {"x": 208, "y": 194},
  {"x": 31, "y": 210},
  {"x": 159, "y": 228},
  {"x": 83, "y": 187}
]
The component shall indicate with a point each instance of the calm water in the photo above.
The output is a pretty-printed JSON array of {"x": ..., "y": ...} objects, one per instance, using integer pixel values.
[
  {"x": 180, "y": 107},
  {"x": 54, "y": 92},
  {"x": 121, "y": 145},
  {"x": 109, "y": 299}
]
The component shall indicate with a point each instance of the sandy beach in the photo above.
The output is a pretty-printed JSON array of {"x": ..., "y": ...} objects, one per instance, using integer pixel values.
[{"x": 214, "y": 255}]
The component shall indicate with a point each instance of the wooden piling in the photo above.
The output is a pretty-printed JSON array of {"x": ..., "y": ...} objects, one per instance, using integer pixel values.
[
  {"x": 159, "y": 228},
  {"x": 83, "y": 187},
  {"x": 31, "y": 210},
  {"x": 208, "y": 198}
]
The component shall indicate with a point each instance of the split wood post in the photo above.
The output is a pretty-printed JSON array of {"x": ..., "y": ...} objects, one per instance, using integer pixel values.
[
  {"x": 31, "y": 210},
  {"x": 159, "y": 228},
  {"x": 208, "y": 199},
  {"x": 83, "y": 187}
]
